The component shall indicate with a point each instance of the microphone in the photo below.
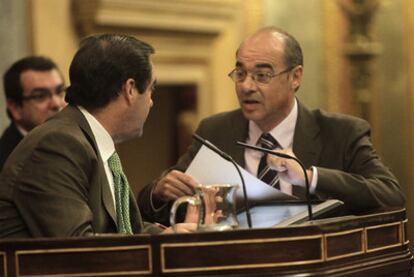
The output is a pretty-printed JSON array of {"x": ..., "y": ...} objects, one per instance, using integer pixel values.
[
  {"x": 230, "y": 159},
  {"x": 286, "y": 156}
]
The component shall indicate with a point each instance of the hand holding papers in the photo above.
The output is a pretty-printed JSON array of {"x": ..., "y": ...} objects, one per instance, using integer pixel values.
[{"x": 208, "y": 167}]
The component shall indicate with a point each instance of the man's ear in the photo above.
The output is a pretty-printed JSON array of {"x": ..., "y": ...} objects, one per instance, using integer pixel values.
[
  {"x": 297, "y": 74},
  {"x": 128, "y": 90},
  {"x": 15, "y": 109}
]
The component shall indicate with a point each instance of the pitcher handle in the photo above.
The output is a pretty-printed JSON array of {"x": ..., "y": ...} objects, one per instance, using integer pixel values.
[{"x": 184, "y": 199}]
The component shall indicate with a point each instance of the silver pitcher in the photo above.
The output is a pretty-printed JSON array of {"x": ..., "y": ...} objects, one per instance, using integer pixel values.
[{"x": 215, "y": 204}]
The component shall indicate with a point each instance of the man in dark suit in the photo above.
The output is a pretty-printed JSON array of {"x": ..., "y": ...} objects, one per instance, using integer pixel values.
[
  {"x": 336, "y": 149},
  {"x": 65, "y": 178},
  {"x": 34, "y": 92}
]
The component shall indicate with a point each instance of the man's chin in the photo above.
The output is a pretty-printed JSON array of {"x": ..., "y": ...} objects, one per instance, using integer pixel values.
[
  {"x": 129, "y": 136},
  {"x": 251, "y": 115}
]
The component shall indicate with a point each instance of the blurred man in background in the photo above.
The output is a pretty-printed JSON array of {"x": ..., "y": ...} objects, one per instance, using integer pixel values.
[{"x": 34, "y": 91}]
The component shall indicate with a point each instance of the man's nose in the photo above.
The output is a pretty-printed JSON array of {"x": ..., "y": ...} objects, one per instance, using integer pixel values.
[{"x": 248, "y": 84}]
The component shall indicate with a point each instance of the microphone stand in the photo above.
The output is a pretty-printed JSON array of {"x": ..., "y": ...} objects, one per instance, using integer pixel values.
[
  {"x": 286, "y": 156},
  {"x": 230, "y": 159}
]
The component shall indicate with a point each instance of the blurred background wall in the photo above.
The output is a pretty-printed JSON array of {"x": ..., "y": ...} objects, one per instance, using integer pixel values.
[{"x": 357, "y": 61}]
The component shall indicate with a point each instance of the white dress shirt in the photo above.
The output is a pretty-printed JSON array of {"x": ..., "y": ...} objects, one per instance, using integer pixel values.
[
  {"x": 106, "y": 146},
  {"x": 283, "y": 133}
]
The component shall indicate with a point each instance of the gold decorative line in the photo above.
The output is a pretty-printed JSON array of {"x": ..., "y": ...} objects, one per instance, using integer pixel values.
[
  {"x": 336, "y": 234},
  {"x": 87, "y": 249},
  {"x": 4, "y": 263},
  {"x": 370, "y": 250},
  {"x": 365, "y": 240},
  {"x": 240, "y": 266},
  {"x": 382, "y": 247},
  {"x": 150, "y": 259},
  {"x": 383, "y": 225},
  {"x": 120, "y": 273},
  {"x": 324, "y": 248},
  {"x": 246, "y": 241},
  {"x": 405, "y": 237},
  {"x": 79, "y": 249}
]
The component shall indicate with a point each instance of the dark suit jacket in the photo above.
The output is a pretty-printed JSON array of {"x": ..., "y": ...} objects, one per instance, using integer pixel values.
[
  {"x": 8, "y": 141},
  {"x": 54, "y": 184},
  {"x": 339, "y": 146}
]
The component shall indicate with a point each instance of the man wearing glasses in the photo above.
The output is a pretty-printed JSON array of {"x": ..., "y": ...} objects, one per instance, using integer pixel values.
[
  {"x": 34, "y": 91},
  {"x": 336, "y": 149}
]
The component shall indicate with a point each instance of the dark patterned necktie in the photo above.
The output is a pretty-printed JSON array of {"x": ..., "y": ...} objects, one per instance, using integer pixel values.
[
  {"x": 121, "y": 195},
  {"x": 264, "y": 173}
]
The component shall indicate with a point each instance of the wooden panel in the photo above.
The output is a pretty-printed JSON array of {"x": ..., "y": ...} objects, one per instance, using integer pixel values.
[
  {"x": 383, "y": 236},
  {"x": 213, "y": 255},
  {"x": 3, "y": 264},
  {"x": 344, "y": 244},
  {"x": 126, "y": 260},
  {"x": 404, "y": 237}
]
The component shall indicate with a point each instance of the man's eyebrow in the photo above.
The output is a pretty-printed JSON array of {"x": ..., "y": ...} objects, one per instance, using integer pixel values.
[
  {"x": 39, "y": 89},
  {"x": 264, "y": 65},
  {"x": 259, "y": 65}
]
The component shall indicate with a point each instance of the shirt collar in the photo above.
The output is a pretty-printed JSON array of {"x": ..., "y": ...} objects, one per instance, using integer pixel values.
[
  {"x": 22, "y": 131},
  {"x": 283, "y": 132},
  {"x": 104, "y": 141}
]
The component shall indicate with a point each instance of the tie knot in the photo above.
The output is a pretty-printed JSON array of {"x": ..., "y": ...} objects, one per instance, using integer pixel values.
[
  {"x": 115, "y": 163},
  {"x": 267, "y": 141}
]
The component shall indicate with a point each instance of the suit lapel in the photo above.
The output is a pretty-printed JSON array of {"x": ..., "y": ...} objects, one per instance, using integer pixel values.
[
  {"x": 240, "y": 131},
  {"x": 306, "y": 141},
  {"x": 107, "y": 200}
]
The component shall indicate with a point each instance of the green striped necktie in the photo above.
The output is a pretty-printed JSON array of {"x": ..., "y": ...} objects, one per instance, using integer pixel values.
[{"x": 121, "y": 195}]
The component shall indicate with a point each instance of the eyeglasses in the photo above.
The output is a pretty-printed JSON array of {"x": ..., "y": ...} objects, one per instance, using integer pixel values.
[
  {"x": 41, "y": 95},
  {"x": 261, "y": 77}
]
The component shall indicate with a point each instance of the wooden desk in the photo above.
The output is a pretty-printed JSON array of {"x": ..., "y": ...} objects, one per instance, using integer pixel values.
[{"x": 374, "y": 245}]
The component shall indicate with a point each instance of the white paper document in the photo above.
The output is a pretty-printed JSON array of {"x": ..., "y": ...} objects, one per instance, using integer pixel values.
[{"x": 208, "y": 167}]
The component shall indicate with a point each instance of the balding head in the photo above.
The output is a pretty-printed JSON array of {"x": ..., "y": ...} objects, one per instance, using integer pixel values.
[{"x": 275, "y": 38}]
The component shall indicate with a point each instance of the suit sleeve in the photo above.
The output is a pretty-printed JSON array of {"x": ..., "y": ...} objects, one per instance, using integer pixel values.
[
  {"x": 52, "y": 196},
  {"x": 364, "y": 183},
  {"x": 160, "y": 212}
]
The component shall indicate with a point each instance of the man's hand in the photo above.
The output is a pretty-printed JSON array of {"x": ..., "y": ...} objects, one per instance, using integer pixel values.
[
  {"x": 288, "y": 170},
  {"x": 174, "y": 185},
  {"x": 181, "y": 228}
]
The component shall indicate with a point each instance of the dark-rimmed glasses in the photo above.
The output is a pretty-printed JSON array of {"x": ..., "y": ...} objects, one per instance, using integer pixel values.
[
  {"x": 259, "y": 76},
  {"x": 40, "y": 95}
]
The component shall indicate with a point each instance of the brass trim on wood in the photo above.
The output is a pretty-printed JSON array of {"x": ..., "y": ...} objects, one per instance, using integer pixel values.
[
  {"x": 4, "y": 263},
  {"x": 323, "y": 243},
  {"x": 86, "y": 249},
  {"x": 404, "y": 235},
  {"x": 362, "y": 238},
  {"x": 400, "y": 242},
  {"x": 240, "y": 266}
]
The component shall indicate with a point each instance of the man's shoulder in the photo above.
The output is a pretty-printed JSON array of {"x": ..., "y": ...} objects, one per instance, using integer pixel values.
[
  {"x": 339, "y": 118},
  {"x": 11, "y": 133},
  {"x": 331, "y": 122}
]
